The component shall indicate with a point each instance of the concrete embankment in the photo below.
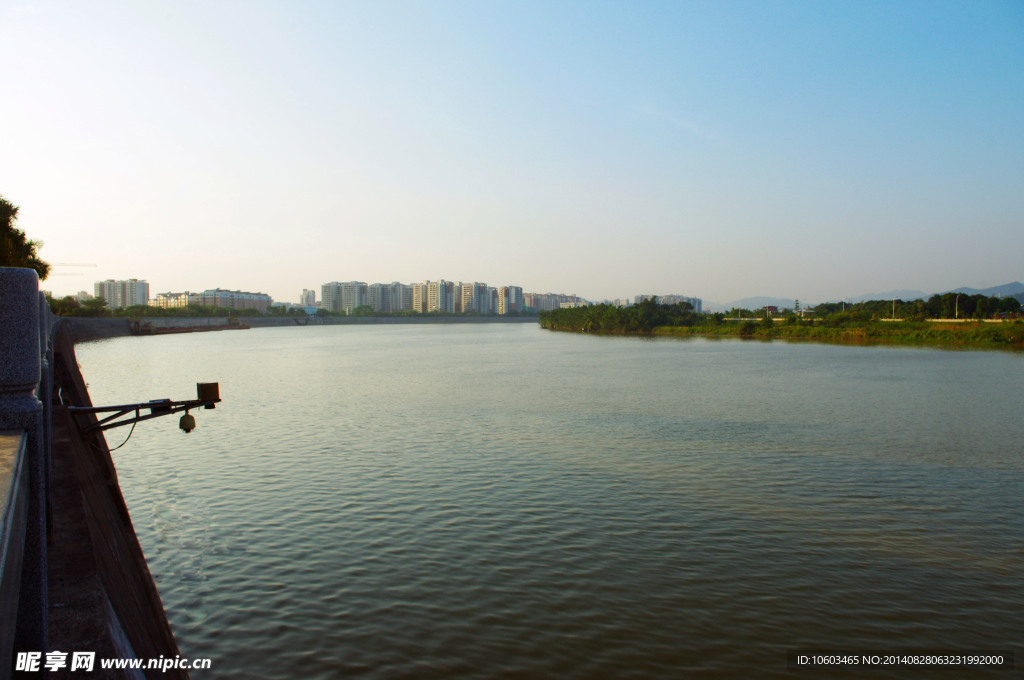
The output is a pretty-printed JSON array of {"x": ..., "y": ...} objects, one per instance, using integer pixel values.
[
  {"x": 83, "y": 329},
  {"x": 102, "y": 596}
]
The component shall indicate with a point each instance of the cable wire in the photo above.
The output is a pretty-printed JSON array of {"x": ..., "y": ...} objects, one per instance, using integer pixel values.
[{"x": 126, "y": 438}]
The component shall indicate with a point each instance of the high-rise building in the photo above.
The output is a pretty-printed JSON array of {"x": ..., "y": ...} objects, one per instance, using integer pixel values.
[
  {"x": 440, "y": 296},
  {"x": 467, "y": 299},
  {"x": 379, "y": 297},
  {"x": 502, "y": 300},
  {"x": 337, "y": 297},
  {"x": 330, "y": 296},
  {"x": 308, "y": 298},
  {"x": 121, "y": 294},
  {"x": 475, "y": 299},
  {"x": 401, "y": 297},
  {"x": 419, "y": 298},
  {"x": 354, "y": 294},
  {"x": 510, "y": 299}
]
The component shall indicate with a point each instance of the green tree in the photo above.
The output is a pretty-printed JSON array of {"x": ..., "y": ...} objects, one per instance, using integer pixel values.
[
  {"x": 16, "y": 250},
  {"x": 97, "y": 306},
  {"x": 66, "y": 306},
  {"x": 1009, "y": 305}
]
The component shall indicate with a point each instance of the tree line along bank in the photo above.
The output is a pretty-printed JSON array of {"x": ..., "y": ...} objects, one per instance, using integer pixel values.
[{"x": 875, "y": 320}]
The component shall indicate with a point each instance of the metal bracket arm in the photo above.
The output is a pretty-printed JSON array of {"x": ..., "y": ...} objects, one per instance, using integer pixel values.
[
  {"x": 208, "y": 393},
  {"x": 158, "y": 408}
]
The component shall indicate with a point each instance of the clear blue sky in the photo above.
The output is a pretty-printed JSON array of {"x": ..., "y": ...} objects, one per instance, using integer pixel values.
[{"x": 816, "y": 150}]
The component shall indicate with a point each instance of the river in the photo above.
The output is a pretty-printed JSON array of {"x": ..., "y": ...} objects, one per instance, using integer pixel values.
[{"x": 482, "y": 501}]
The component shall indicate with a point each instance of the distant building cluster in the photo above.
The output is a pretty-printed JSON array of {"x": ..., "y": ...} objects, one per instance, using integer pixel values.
[
  {"x": 697, "y": 303},
  {"x": 215, "y": 297},
  {"x": 425, "y": 297},
  {"x": 428, "y": 296},
  {"x": 546, "y": 302}
]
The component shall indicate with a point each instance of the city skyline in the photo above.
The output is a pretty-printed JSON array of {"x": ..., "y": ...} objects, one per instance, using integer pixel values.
[
  {"x": 307, "y": 297},
  {"x": 721, "y": 150},
  {"x": 426, "y": 296}
]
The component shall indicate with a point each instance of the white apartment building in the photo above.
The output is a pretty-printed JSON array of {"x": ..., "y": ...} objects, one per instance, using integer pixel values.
[
  {"x": 121, "y": 294},
  {"x": 354, "y": 294},
  {"x": 346, "y": 296},
  {"x": 379, "y": 297},
  {"x": 390, "y": 297},
  {"x": 330, "y": 296},
  {"x": 308, "y": 298}
]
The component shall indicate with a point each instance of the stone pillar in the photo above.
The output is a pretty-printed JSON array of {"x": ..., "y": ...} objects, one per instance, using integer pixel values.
[{"x": 20, "y": 368}]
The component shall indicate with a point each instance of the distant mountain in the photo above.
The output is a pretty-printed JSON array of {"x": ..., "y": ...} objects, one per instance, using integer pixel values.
[
  {"x": 1006, "y": 290},
  {"x": 752, "y": 303},
  {"x": 1015, "y": 289},
  {"x": 892, "y": 295}
]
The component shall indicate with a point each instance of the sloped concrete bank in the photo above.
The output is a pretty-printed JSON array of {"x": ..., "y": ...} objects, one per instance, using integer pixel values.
[{"x": 102, "y": 596}]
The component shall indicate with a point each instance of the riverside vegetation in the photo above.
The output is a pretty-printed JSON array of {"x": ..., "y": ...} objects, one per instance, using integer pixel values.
[{"x": 884, "y": 321}]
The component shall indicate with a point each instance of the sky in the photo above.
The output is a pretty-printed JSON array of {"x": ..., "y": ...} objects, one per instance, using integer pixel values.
[{"x": 721, "y": 150}]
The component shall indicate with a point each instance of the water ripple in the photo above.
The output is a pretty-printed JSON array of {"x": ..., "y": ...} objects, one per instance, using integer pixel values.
[{"x": 461, "y": 502}]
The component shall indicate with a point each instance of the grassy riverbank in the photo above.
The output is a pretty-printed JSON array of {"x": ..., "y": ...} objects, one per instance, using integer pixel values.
[
  {"x": 649, "y": 318},
  {"x": 1003, "y": 335}
]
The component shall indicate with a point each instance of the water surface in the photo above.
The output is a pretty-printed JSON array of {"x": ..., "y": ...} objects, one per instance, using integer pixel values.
[{"x": 479, "y": 501}]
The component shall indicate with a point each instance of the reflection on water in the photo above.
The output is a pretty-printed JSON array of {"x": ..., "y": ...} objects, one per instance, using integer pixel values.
[{"x": 488, "y": 501}]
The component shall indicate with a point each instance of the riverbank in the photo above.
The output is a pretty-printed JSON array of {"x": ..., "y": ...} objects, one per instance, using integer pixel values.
[{"x": 1008, "y": 335}]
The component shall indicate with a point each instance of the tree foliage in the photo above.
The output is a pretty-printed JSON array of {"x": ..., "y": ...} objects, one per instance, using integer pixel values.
[
  {"x": 16, "y": 250},
  {"x": 944, "y": 306},
  {"x": 69, "y": 306},
  {"x": 639, "y": 318}
]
